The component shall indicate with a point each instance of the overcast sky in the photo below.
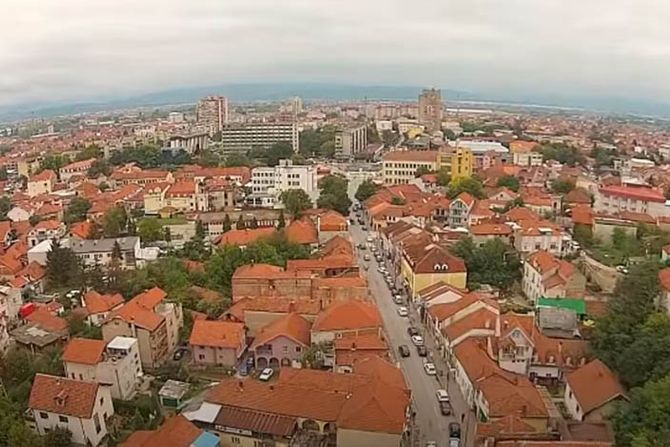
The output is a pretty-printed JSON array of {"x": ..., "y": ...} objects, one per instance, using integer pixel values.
[{"x": 78, "y": 49}]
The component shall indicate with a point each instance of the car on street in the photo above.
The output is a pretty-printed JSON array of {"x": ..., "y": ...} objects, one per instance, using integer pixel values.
[
  {"x": 421, "y": 351},
  {"x": 266, "y": 374},
  {"x": 454, "y": 442},
  {"x": 364, "y": 228},
  {"x": 431, "y": 444},
  {"x": 412, "y": 331},
  {"x": 429, "y": 368},
  {"x": 366, "y": 257},
  {"x": 362, "y": 247},
  {"x": 370, "y": 239},
  {"x": 397, "y": 299},
  {"x": 403, "y": 312},
  {"x": 381, "y": 270},
  {"x": 442, "y": 395},
  {"x": 417, "y": 340},
  {"x": 454, "y": 430},
  {"x": 445, "y": 408},
  {"x": 403, "y": 350}
]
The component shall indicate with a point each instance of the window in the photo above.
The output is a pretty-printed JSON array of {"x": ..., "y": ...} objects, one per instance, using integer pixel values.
[
  {"x": 201, "y": 356},
  {"x": 235, "y": 440},
  {"x": 96, "y": 421},
  {"x": 298, "y": 349},
  {"x": 43, "y": 415},
  {"x": 285, "y": 349},
  {"x": 102, "y": 400},
  {"x": 63, "y": 419}
]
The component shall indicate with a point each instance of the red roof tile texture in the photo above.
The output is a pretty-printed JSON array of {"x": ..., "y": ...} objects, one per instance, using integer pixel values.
[{"x": 63, "y": 396}]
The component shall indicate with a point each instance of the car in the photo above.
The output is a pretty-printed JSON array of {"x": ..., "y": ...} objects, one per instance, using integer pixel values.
[
  {"x": 454, "y": 442},
  {"x": 422, "y": 351},
  {"x": 362, "y": 247},
  {"x": 381, "y": 270},
  {"x": 370, "y": 238},
  {"x": 397, "y": 299},
  {"x": 404, "y": 351},
  {"x": 266, "y": 374},
  {"x": 429, "y": 368},
  {"x": 403, "y": 312},
  {"x": 366, "y": 257},
  {"x": 454, "y": 430},
  {"x": 412, "y": 331},
  {"x": 442, "y": 395},
  {"x": 178, "y": 355},
  {"x": 417, "y": 340},
  {"x": 622, "y": 269},
  {"x": 431, "y": 444},
  {"x": 445, "y": 408},
  {"x": 364, "y": 228}
]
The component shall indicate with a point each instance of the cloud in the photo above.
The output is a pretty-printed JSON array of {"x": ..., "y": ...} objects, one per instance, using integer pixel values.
[{"x": 77, "y": 49}]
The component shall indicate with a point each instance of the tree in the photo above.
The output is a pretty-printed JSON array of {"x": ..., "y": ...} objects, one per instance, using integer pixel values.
[
  {"x": 63, "y": 269},
  {"x": 295, "y": 202},
  {"x": 95, "y": 231},
  {"x": 3, "y": 174},
  {"x": 281, "y": 221},
  {"x": 58, "y": 437},
  {"x": 366, "y": 189},
  {"x": 562, "y": 153},
  {"x": 509, "y": 181},
  {"x": 583, "y": 234},
  {"x": 237, "y": 160},
  {"x": 53, "y": 162},
  {"x": 34, "y": 220},
  {"x": 493, "y": 263},
  {"x": 13, "y": 430},
  {"x": 227, "y": 225},
  {"x": 443, "y": 176},
  {"x": 167, "y": 236},
  {"x": 90, "y": 151},
  {"x": 648, "y": 356},
  {"x": 278, "y": 151},
  {"x": 471, "y": 185},
  {"x": 114, "y": 222},
  {"x": 98, "y": 168},
  {"x": 334, "y": 194},
  {"x": 77, "y": 210},
  {"x": 559, "y": 186},
  {"x": 240, "y": 224},
  {"x": 254, "y": 223},
  {"x": 421, "y": 170},
  {"x": 150, "y": 229},
  {"x": 397, "y": 200},
  {"x": 5, "y": 206},
  {"x": 199, "y": 230}
]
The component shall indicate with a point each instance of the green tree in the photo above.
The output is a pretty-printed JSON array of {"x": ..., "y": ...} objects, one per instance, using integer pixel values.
[
  {"x": 3, "y": 174},
  {"x": 199, "y": 229},
  {"x": 278, "y": 151},
  {"x": 53, "y": 162},
  {"x": 333, "y": 194},
  {"x": 150, "y": 229},
  {"x": 77, "y": 210},
  {"x": 98, "y": 168},
  {"x": 493, "y": 263},
  {"x": 34, "y": 220},
  {"x": 254, "y": 223},
  {"x": 583, "y": 234},
  {"x": 281, "y": 221},
  {"x": 13, "y": 431},
  {"x": 562, "y": 153},
  {"x": 295, "y": 202},
  {"x": 5, "y": 206},
  {"x": 421, "y": 170},
  {"x": 471, "y": 185},
  {"x": 562, "y": 186},
  {"x": 227, "y": 224},
  {"x": 509, "y": 181},
  {"x": 58, "y": 437},
  {"x": 237, "y": 160},
  {"x": 114, "y": 222},
  {"x": 240, "y": 224},
  {"x": 648, "y": 356},
  {"x": 90, "y": 151},
  {"x": 63, "y": 268},
  {"x": 443, "y": 176},
  {"x": 366, "y": 189},
  {"x": 167, "y": 236}
]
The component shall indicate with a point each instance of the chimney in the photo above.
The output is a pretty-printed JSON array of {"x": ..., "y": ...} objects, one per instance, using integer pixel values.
[
  {"x": 291, "y": 306},
  {"x": 272, "y": 387},
  {"x": 506, "y": 324},
  {"x": 560, "y": 347},
  {"x": 487, "y": 324},
  {"x": 353, "y": 346},
  {"x": 240, "y": 385}
]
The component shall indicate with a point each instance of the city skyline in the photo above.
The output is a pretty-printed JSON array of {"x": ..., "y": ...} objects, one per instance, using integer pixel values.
[{"x": 67, "y": 52}]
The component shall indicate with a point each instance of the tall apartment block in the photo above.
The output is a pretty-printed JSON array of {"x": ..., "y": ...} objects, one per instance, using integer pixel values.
[
  {"x": 212, "y": 111},
  {"x": 242, "y": 137},
  {"x": 351, "y": 141},
  {"x": 430, "y": 109}
]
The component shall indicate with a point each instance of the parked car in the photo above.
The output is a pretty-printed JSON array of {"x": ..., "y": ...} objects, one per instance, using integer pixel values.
[
  {"x": 442, "y": 395},
  {"x": 429, "y": 368},
  {"x": 397, "y": 299},
  {"x": 404, "y": 351},
  {"x": 422, "y": 351},
  {"x": 412, "y": 331},
  {"x": 417, "y": 340},
  {"x": 454, "y": 430},
  {"x": 366, "y": 257},
  {"x": 370, "y": 238},
  {"x": 403, "y": 312},
  {"x": 364, "y": 228},
  {"x": 445, "y": 408},
  {"x": 266, "y": 374},
  {"x": 362, "y": 247}
]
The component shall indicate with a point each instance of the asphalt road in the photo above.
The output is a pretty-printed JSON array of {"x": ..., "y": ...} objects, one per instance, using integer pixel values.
[{"x": 432, "y": 425}]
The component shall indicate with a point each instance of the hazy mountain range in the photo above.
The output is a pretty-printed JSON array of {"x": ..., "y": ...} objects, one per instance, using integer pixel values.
[{"x": 326, "y": 92}]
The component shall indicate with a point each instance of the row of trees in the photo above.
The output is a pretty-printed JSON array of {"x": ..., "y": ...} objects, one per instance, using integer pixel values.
[
  {"x": 333, "y": 196},
  {"x": 493, "y": 263}
]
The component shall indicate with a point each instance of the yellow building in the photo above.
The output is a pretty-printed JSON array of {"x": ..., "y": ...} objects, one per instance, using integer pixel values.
[
  {"x": 460, "y": 162},
  {"x": 424, "y": 265}
]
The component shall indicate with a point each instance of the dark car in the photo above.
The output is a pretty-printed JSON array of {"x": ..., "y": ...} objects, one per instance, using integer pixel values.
[
  {"x": 404, "y": 350},
  {"x": 422, "y": 351},
  {"x": 445, "y": 408},
  {"x": 455, "y": 430},
  {"x": 412, "y": 331}
]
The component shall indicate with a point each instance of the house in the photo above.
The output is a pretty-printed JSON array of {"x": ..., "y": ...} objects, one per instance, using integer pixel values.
[
  {"x": 267, "y": 280},
  {"x": 40, "y": 331},
  {"x": 303, "y": 232},
  {"x": 46, "y": 229},
  {"x": 42, "y": 183},
  {"x": 217, "y": 343},
  {"x": 99, "y": 252},
  {"x": 425, "y": 264},
  {"x": 115, "y": 364},
  {"x": 177, "y": 431},
  {"x": 485, "y": 232},
  {"x": 330, "y": 224},
  {"x": 534, "y": 235},
  {"x": 352, "y": 350},
  {"x": 282, "y": 342},
  {"x": 439, "y": 293},
  {"x": 613, "y": 199},
  {"x": 591, "y": 392},
  {"x": 76, "y": 168},
  {"x": 152, "y": 320},
  {"x": 242, "y": 238},
  {"x": 97, "y": 307},
  {"x": 547, "y": 276},
  {"x": 664, "y": 280},
  {"x": 82, "y": 407},
  {"x": 346, "y": 318},
  {"x": 459, "y": 210}
]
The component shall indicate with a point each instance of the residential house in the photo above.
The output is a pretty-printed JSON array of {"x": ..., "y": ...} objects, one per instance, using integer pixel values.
[
  {"x": 591, "y": 392},
  {"x": 524, "y": 153},
  {"x": 76, "y": 168},
  {"x": 425, "y": 264},
  {"x": 97, "y": 307},
  {"x": 40, "y": 331},
  {"x": 613, "y": 199},
  {"x": 544, "y": 275},
  {"x": 133, "y": 175},
  {"x": 217, "y": 343},
  {"x": 177, "y": 431},
  {"x": 330, "y": 224},
  {"x": 352, "y": 350},
  {"x": 152, "y": 320},
  {"x": 81, "y": 407},
  {"x": 258, "y": 312},
  {"x": 46, "y": 229},
  {"x": 115, "y": 364},
  {"x": 346, "y": 318},
  {"x": 534, "y": 235},
  {"x": 459, "y": 210},
  {"x": 282, "y": 342},
  {"x": 439, "y": 293},
  {"x": 401, "y": 166},
  {"x": 247, "y": 236},
  {"x": 267, "y": 280},
  {"x": 303, "y": 232},
  {"x": 484, "y": 232},
  {"x": 42, "y": 183},
  {"x": 99, "y": 252}
]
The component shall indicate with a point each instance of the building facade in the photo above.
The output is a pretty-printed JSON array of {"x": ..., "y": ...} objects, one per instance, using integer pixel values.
[
  {"x": 431, "y": 109},
  {"x": 212, "y": 111},
  {"x": 351, "y": 141},
  {"x": 242, "y": 137}
]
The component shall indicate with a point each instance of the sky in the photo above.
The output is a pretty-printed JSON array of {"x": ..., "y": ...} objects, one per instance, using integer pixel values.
[{"x": 72, "y": 50}]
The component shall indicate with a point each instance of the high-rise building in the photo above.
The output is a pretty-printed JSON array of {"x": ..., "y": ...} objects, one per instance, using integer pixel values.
[
  {"x": 296, "y": 104},
  {"x": 430, "y": 109},
  {"x": 351, "y": 141},
  {"x": 242, "y": 137},
  {"x": 212, "y": 111}
]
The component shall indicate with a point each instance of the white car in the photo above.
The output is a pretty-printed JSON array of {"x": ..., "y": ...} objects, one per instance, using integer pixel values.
[
  {"x": 266, "y": 374},
  {"x": 442, "y": 395},
  {"x": 429, "y": 368},
  {"x": 417, "y": 340},
  {"x": 402, "y": 311}
]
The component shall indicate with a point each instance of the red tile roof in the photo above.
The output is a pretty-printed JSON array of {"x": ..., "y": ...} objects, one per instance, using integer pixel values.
[
  {"x": 302, "y": 231},
  {"x": 140, "y": 310},
  {"x": 292, "y": 326},
  {"x": 84, "y": 350},
  {"x": 245, "y": 237},
  {"x": 664, "y": 278},
  {"x": 634, "y": 192},
  {"x": 218, "y": 334},
  {"x": 175, "y": 432},
  {"x": 346, "y": 315},
  {"x": 63, "y": 396},
  {"x": 96, "y": 303},
  {"x": 45, "y": 175},
  {"x": 47, "y": 321},
  {"x": 593, "y": 385}
]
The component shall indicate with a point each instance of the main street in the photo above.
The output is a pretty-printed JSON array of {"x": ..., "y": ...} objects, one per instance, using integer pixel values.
[{"x": 430, "y": 423}]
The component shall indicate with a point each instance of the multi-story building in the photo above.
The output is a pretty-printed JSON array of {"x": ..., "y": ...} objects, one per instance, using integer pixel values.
[
  {"x": 152, "y": 320},
  {"x": 431, "y": 109},
  {"x": 242, "y": 137},
  {"x": 42, "y": 183},
  {"x": 633, "y": 198},
  {"x": 75, "y": 168},
  {"x": 115, "y": 364},
  {"x": 546, "y": 276},
  {"x": 82, "y": 407},
  {"x": 100, "y": 252},
  {"x": 267, "y": 183},
  {"x": 46, "y": 229},
  {"x": 459, "y": 161},
  {"x": 524, "y": 154},
  {"x": 351, "y": 141},
  {"x": 401, "y": 166},
  {"x": 212, "y": 111},
  {"x": 217, "y": 343}
]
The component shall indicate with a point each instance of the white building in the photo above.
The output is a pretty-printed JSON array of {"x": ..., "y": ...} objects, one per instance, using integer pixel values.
[
  {"x": 634, "y": 198},
  {"x": 115, "y": 364},
  {"x": 99, "y": 251},
  {"x": 81, "y": 407},
  {"x": 267, "y": 183},
  {"x": 351, "y": 141},
  {"x": 237, "y": 137}
]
